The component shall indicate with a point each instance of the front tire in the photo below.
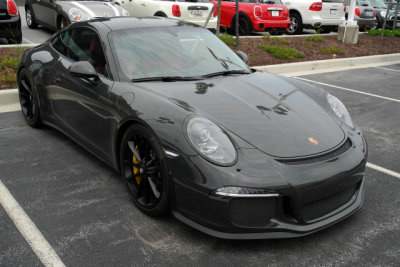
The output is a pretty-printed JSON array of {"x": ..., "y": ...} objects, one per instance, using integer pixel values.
[
  {"x": 63, "y": 23},
  {"x": 296, "y": 24},
  {"x": 28, "y": 99},
  {"x": 144, "y": 171},
  {"x": 30, "y": 18}
]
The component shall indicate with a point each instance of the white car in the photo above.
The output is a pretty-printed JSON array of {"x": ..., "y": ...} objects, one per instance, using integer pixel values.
[
  {"x": 195, "y": 11},
  {"x": 325, "y": 15}
]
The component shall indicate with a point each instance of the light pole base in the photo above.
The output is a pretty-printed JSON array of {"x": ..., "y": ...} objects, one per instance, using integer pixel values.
[{"x": 348, "y": 34}]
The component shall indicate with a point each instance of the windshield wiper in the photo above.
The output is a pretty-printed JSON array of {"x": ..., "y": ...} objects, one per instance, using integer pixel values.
[
  {"x": 165, "y": 79},
  {"x": 226, "y": 72}
]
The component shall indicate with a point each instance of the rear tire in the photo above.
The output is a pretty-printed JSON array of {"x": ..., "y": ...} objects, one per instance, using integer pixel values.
[
  {"x": 30, "y": 18},
  {"x": 296, "y": 24}
]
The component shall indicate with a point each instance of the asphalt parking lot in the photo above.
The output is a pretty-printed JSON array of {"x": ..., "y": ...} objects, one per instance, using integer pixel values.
[{"x": 80, "y": 205}]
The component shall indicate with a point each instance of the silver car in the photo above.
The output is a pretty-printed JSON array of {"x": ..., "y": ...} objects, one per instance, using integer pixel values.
[{"x": 56, "y": 14}]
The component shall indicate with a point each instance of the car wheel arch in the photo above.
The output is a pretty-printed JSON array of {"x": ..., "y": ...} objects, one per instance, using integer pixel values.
[
  {"x": 242, "y": 14},
  {"x": 160, "y": 14},
  {"x": 120, "y": 135}
]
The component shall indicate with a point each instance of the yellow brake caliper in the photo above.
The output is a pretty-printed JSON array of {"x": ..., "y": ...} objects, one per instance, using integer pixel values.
[{"x": 135, "y": 169}]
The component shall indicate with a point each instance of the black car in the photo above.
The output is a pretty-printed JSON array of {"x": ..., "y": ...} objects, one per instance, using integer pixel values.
[
  {"x": 10, "y": 22},
  {"x": 230, "y": 151}
]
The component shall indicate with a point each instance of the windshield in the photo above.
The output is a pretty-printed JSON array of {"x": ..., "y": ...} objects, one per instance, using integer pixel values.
[
  {"x": 378, "y": 3},
  {"x": 172, "y": 52}
]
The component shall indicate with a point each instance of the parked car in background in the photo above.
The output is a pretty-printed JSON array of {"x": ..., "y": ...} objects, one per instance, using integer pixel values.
[
  {"x": 10, "y": 22},
  {"x": 381, "y": 14},
  {"x": 364, "y": 14},
  {"x": 269, "y": 15},
  {"x": 56, "y": 14},
  {"x": 379, "y": 6},
  {"x": 195, "y": 11},
  {"x": 324, "y": 15}
]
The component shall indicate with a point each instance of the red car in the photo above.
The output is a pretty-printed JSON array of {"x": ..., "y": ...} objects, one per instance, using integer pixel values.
[{"x": 267, "y": 15}]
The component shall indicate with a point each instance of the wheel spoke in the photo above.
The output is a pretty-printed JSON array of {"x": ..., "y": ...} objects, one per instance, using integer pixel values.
[
  {"x": 131, "y": 145},
  {"x": 153, "y": 187},
  {"x": 25, "y": 86}
]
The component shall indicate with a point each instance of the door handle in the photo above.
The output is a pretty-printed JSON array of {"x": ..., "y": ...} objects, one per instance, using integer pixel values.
[
  {"x": 57, "y": 80},
  {"x": 144, "y": 4},
  {"x": 233, "y": 6}
]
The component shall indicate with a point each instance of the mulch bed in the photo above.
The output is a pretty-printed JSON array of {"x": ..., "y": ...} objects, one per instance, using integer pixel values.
[{"x": 367, "y": 45}]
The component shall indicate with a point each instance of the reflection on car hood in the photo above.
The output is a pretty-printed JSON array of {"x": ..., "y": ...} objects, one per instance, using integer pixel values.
[
  {"x": 95, "y": 8},
  {"x": 263, "y": 109}
]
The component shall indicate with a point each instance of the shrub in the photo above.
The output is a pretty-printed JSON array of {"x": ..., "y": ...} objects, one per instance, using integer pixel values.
[
  {"x": 11, "y": 62},
  {"x": 282, "y": 52},
  {"x": 332, "y": 50},
  {"x": 315, "y": 38},
  {"x": 227, "y": 39}
]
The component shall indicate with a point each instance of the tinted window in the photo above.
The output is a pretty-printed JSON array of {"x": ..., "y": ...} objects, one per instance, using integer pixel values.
[
  {"x": 61, "y": 42},
  {"x": 171, "y": 51},
  {"x": 85, "y": 45}
]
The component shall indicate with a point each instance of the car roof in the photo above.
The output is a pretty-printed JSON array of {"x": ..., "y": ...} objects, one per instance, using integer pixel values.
[{"x": 122, "y": 23}]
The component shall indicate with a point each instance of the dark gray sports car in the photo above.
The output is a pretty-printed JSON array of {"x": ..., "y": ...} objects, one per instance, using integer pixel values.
[{"x": 230, "y": 151}]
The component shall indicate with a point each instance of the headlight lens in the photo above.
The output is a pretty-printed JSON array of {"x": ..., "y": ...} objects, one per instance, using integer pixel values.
[
  {"x": 211, "y": 141},
  {"x": 75, "y": 14},
  {"x": 383, "y": 13},
  {"x": 340, "y": 110},
  {"x": 125, "y": 12}
]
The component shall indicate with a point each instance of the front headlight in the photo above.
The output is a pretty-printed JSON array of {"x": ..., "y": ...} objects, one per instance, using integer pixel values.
[
  {"x": 211, "y": 141},
  {"x": 125, "y": 12},
  {"x": 75, "y": 14},
  {"x": 340, "y": 110},
  {"x": 383, "y": 13}
]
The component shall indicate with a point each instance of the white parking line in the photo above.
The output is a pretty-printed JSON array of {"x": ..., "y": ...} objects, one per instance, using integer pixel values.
[
  {"x": 28, "y": 229},
  {"x": 348, "y": 89},
  {"x": 387, "y": 69},
  {"x": 384, "y": 170}
]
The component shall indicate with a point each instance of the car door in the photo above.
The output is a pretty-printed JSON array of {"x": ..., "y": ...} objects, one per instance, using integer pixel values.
[
  {"x": 81, "y": 105},
  {"x": 228, "y": 11}
]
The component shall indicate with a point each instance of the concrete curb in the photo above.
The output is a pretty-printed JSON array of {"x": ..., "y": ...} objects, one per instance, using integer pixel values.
[
  {"x": 329, "y": 64},
  {"x": 9, "y": 97},
  {"x": 18, "y": 45}
]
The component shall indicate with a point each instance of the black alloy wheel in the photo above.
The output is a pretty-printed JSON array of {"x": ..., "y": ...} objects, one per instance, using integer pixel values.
[
  {"x": 28, "y": 99},
  {"x": 143, "y": 169}
]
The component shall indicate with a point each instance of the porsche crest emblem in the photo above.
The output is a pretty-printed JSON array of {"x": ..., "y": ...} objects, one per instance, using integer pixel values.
[{"x": 313, "y": 140}]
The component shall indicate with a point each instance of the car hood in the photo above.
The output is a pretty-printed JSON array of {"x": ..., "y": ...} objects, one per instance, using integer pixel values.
[
  {"x": 267, "y": 111},
  {"x": 96, "y": 8}
]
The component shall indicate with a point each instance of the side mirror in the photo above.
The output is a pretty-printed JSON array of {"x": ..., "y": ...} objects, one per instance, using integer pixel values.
[
  {"x": 243, "y": 56},
  {"x": 83, "y": 69}
]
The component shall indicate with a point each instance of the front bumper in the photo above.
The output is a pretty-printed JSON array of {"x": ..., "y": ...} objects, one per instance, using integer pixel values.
[{"x": 311, "y": 197}]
